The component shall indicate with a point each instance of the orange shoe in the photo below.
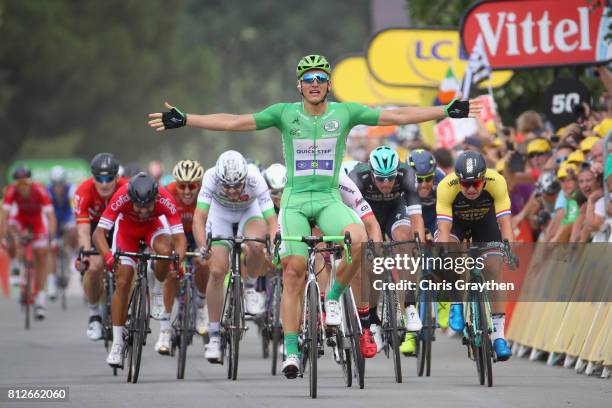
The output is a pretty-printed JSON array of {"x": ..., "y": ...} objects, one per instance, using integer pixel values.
[{"x": 367, "y": 344}]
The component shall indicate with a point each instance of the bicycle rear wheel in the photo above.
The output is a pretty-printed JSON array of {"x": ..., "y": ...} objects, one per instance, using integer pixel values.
[
  {"x": 184, "y": 330},
  {"x": 345, "y": 361},
  {"x": 350, "y": 316},
  {"x": 276, "y": 329},
  {"x": 391, "y": 330},
  {"x": 312, "y": 313}
]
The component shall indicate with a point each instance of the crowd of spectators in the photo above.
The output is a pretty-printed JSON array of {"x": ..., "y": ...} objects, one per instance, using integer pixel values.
[{"x": 557, "y": 179}]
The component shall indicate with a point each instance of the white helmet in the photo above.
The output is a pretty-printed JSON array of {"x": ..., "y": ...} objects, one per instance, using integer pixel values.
[
  {"x": 276, "y": 176},
  {"x": 58, "y": 175},
  {"x": 348, "y": 166},
  {"x": 231, "y": 168}
]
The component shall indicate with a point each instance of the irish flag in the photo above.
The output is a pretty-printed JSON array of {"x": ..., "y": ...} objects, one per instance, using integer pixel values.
[{"x": 448, "y": 87}]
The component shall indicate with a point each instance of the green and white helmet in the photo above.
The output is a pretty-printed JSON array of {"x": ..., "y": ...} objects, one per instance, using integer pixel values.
[
  {"x": 384, "y": 161},
  {"x": 310, "y": 62},
  {"x": 276, "y": 176}
]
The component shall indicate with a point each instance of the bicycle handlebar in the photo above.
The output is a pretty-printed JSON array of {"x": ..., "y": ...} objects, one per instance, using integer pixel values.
[
  {"x": 236, "y": 241},
  {"x": 311, "y": 241}
]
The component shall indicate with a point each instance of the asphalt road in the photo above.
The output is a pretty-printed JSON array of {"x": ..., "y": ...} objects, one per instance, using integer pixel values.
[{"x": 57, "y": 352}]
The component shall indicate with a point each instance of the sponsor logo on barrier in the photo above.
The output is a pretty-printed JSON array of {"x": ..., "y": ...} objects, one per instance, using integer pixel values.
[{"x": 530, "y": 33}]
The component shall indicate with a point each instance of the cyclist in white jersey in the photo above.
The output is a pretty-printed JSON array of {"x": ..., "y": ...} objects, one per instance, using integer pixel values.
[{"x": 232, "y": 193}]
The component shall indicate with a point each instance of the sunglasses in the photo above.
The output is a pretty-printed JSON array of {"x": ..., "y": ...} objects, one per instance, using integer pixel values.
[
  {"x": 560, "y": 159},
  {"x": 310, "y": 77},
  {"x": 104, "y": 179},
  {"x": 230, "y": 187},
  {"x": 425, "y": 179},
  {"x": 187, "y": 186},
  {"x": 474, "y": 183},
  {"x": 382, "y": 179},
  {"x": 536, "y": 154}
]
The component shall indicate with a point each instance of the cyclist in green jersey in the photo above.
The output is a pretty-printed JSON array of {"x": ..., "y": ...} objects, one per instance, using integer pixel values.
[{"x": 314, "y": 133}]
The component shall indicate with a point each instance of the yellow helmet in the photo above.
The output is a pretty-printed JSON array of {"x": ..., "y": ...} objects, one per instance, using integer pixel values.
[
  {"x": 603, "y": 127},
  {"x": 575, "y": 157},
  {"x": 187, "y": 171},
  {"x": 587, "y": 144},
  {"x": 538, "y": 145},
  {"x": 566, "y": 169}
]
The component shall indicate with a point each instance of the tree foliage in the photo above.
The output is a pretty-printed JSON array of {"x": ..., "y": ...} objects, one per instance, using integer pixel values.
[{"x": 77, "y": 78}]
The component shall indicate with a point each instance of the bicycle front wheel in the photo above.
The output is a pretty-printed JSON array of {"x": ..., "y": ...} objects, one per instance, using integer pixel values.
[
  {"x": 235, "y": 331},
  {"x": 485, "y": 344},
  {"x": 352, "y": 325},
  {"x": 312, "y": 313},
  {"x": 425, "y": 336},
  {"x": 391, "y": 330},
  {"x": 139, "y": 329},
  {"x": 184, "y": 329}
]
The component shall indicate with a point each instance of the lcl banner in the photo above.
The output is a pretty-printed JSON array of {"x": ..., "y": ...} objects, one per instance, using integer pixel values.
[
  {"x": 540, "y": 33},
  {"x": 420, "y": 57}
]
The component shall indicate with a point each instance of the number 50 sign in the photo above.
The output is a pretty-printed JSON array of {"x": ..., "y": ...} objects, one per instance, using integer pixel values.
[{"x": 561, "y": 97}]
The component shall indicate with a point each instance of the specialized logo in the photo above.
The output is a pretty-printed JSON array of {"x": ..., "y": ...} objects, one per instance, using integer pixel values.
[{"x": 331, "y": 126}]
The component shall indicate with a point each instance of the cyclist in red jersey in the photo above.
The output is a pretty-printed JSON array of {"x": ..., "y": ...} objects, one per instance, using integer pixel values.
[
  {"x": 27, "y": 207},
  {"x": 90, "y": 201},
  {"x": 188, "y": 176},
  {"x": 136, "y": 212}
]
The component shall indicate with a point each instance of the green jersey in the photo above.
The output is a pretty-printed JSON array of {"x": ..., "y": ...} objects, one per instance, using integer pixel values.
[{"x": 314, "y": 146}]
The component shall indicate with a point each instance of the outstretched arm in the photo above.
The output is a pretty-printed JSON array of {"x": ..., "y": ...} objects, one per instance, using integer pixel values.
[
  {"x": 218, "y": 121},
  {"x": 407, "y": 115}
]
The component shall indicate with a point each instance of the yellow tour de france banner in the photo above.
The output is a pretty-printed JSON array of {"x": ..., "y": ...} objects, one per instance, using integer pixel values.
[
  {"x": 352, "y": 82},
  {"x": 420, "y": 57}
]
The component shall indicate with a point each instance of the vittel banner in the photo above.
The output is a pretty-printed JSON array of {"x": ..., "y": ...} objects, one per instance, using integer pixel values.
[{"x": 538, "y": 33}]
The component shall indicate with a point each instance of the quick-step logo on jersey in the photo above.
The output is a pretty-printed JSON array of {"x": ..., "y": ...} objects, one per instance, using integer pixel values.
[{"x": 314, "y": 159}]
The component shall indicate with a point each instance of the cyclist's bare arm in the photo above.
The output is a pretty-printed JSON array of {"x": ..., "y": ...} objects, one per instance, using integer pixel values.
[
  {"x": 444, "y": 231},
  {"x": 51, "y": 223},
  {"x": 99, "y": 240},
  {"x": 200, "y": 216},
  {"x": 4, "y": 215},
  {"x": 272, "y": 222},
  {"x": 418, "y": 225},
  {"x": 216, "y": 121},
  {"x": 505, "y": 227},
  {"x": 372, "y": 228},
  {"x": 408, "y": 115},
  {"x": 180, "y": 245},
  {"x": 84, "y": 235},
  {"x": 222, "y": 121}
]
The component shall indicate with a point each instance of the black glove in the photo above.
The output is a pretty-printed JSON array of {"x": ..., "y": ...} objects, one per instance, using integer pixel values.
[
  {"x": 456, "y": 109},
  {"x": 174, "y": 119}
]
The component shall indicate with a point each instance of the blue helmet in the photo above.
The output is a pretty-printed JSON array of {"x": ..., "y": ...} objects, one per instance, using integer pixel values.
[{"x": 422, "y": 161}]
